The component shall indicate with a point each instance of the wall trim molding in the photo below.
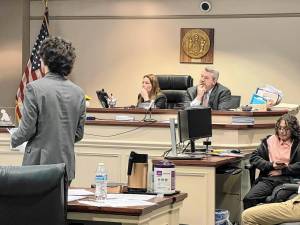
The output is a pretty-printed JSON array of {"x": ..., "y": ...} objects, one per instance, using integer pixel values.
[
  {"x": 142, "y": 145},
  {"x": 143, "y": 17}
]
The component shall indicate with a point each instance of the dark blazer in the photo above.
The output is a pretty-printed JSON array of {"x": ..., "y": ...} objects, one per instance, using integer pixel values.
[
  {"x": 220, "y": 97},
  {"x": 160, "y": 101},
  {"x": 53, "y": 120}
]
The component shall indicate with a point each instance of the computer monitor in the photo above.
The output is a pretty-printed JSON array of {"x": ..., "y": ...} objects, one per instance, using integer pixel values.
[
  {"x": 193, "y": 124},
  {"x": 103, "y": 96}
]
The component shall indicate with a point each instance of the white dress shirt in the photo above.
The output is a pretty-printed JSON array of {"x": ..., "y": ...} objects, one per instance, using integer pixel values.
[{"x": 196, "y": 102}]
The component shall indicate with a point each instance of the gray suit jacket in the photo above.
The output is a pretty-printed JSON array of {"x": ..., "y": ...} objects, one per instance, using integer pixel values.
[
  {"x": 53, "y": 118},
  {"x": 220, "y": 97}
]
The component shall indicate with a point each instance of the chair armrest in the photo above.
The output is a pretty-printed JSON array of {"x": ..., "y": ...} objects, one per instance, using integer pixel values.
[
  {"x": 290, "y": 187},
  {"x": 251, "y": 169}
]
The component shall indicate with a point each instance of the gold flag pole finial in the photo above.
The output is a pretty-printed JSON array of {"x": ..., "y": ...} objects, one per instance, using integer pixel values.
[{"x": 45, "y": 3}]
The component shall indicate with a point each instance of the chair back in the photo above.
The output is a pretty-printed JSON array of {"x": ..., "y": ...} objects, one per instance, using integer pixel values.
[
  {"x": 33, "y": 195},
  {"x": 235, "y": 101},
  {"x": 174, "y": 87}
]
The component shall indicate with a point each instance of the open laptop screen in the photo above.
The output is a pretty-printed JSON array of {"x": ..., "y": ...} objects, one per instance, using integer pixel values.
[{"x": 256, "y": 99}]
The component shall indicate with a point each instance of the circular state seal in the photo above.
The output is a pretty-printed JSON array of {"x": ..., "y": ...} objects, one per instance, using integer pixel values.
[{"x": 195, "y": 43}]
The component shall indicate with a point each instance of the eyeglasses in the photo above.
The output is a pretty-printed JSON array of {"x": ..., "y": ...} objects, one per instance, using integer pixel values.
[{"x": 286, "y": 129}]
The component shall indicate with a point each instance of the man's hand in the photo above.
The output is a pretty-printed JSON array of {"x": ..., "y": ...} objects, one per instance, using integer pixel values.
[
  {"x": 200, "y": 92},
  {"x": 274, "y": 173},
  {"x": 144, "y": 94}
]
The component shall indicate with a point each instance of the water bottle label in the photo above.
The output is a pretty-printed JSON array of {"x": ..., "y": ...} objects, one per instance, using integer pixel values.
[{"x": 101, "y": 177}]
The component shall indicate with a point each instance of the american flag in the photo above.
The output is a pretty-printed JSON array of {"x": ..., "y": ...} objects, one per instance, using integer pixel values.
[{"x": 34, "y": 68}]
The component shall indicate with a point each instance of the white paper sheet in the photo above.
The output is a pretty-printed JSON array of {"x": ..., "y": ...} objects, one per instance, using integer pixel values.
[
  {"x": 75, "y": 197},
  {"x": 21, "y": 147},
  {"x": 117, "y": 203},
  {"x": 80, "y": 192},
  {"x": 130, "y": 197}
]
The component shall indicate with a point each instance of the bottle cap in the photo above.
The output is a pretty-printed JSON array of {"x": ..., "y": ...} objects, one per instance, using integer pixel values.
[
  {"x": 164, "y": 164},
  {"x": 100, "y": 164}
]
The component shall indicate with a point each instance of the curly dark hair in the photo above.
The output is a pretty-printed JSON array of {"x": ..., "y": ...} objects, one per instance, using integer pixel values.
[
  {"x": 291, "y": 123},
  {"x": 58, "y": 54}
]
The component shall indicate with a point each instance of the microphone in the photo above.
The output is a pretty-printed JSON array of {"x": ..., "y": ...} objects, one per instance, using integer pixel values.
[
  {"x": 149, "y": 109},
  {"x": 150, "y": 105}
]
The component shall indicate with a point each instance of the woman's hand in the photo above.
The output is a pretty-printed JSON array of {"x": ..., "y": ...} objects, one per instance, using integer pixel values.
[
  {"x": 279, "y": 165},
  {"x": 274, "y": 173},
  {"x": 144, "y": 94}
]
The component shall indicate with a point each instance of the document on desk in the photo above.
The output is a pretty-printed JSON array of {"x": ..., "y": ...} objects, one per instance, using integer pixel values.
[
  {"x": 117, "y": 203},
  {"x": 79, "y": 192},
  {"x": 122, "y": 200},
  {"x": 75, "y": 197},
  {"x": 76, "y": 194},
  {"x": 130, "y": 197}
]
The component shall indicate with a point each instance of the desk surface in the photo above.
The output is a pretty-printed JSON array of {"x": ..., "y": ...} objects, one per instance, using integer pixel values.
[
  {"x": 174, "y": 111},
  {"x": 75, "y": 206},
  {"x": 216, "y": 125},
  {"x": 210, "y": 161}
]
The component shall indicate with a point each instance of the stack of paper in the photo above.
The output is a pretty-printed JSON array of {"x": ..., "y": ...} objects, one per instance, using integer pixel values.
[
  {"x": 122, "y": 200},
  {"x": 286, "y": 106},
  {"x": 243, "y": 120},
  {"x": 76, "y": 194}
]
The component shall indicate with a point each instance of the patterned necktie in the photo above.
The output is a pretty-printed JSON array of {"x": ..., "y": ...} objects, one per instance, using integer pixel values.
[{"x": 205, "y": 99}]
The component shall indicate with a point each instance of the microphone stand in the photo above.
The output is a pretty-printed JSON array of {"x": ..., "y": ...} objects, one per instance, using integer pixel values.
[
  {"x": 206, "y": 143},
  {"x": 150, "y": 119}
]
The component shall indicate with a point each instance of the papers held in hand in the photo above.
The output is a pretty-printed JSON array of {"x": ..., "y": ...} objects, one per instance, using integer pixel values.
[{"x": 21, "y": 147}]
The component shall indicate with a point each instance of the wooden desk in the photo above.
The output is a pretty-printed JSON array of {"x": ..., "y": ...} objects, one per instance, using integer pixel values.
[
  {"x": 101, "y": 144},
  {"x": 209, "y": 190},
  {"x": 164, "y": 212}
]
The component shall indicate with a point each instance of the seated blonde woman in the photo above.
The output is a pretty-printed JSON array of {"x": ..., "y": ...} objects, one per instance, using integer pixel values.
[{"x": 151, "y": 91}]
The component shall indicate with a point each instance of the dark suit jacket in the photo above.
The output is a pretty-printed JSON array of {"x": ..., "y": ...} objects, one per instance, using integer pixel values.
[
  {"x": 220, "y": 97},
  {"x": 160, "y": 101}
]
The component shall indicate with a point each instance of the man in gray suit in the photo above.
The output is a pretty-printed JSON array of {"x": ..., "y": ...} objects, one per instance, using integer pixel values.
[
  {"x": 209, "y": 92},
  {"x": 53, "y": 114}
]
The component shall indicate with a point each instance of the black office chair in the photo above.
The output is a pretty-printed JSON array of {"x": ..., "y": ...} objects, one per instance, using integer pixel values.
[
  {"x": 273, "y": 197},
  {"x": 292, "y": 187},
  {"x": 33, "y": 195},
  {"x": 174, "y": 87},
  {"x": 235, "y": 101}
]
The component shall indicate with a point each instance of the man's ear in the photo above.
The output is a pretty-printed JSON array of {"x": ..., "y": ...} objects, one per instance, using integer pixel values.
[{"x": 215, "y": 81}]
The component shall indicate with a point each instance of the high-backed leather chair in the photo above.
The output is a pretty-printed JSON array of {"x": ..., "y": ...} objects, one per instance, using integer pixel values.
[
  {"x": 33, "y": 195},
  {"x": 235, "y": 101},
  {"x": 174, "y": 87}
]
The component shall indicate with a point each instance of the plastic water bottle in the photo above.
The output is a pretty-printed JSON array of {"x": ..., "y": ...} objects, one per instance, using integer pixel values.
[{"x": 101, "y": 183}]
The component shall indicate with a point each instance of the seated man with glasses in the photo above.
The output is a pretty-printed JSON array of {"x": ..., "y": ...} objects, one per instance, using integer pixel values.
[{"x": 278, "y": 159}]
